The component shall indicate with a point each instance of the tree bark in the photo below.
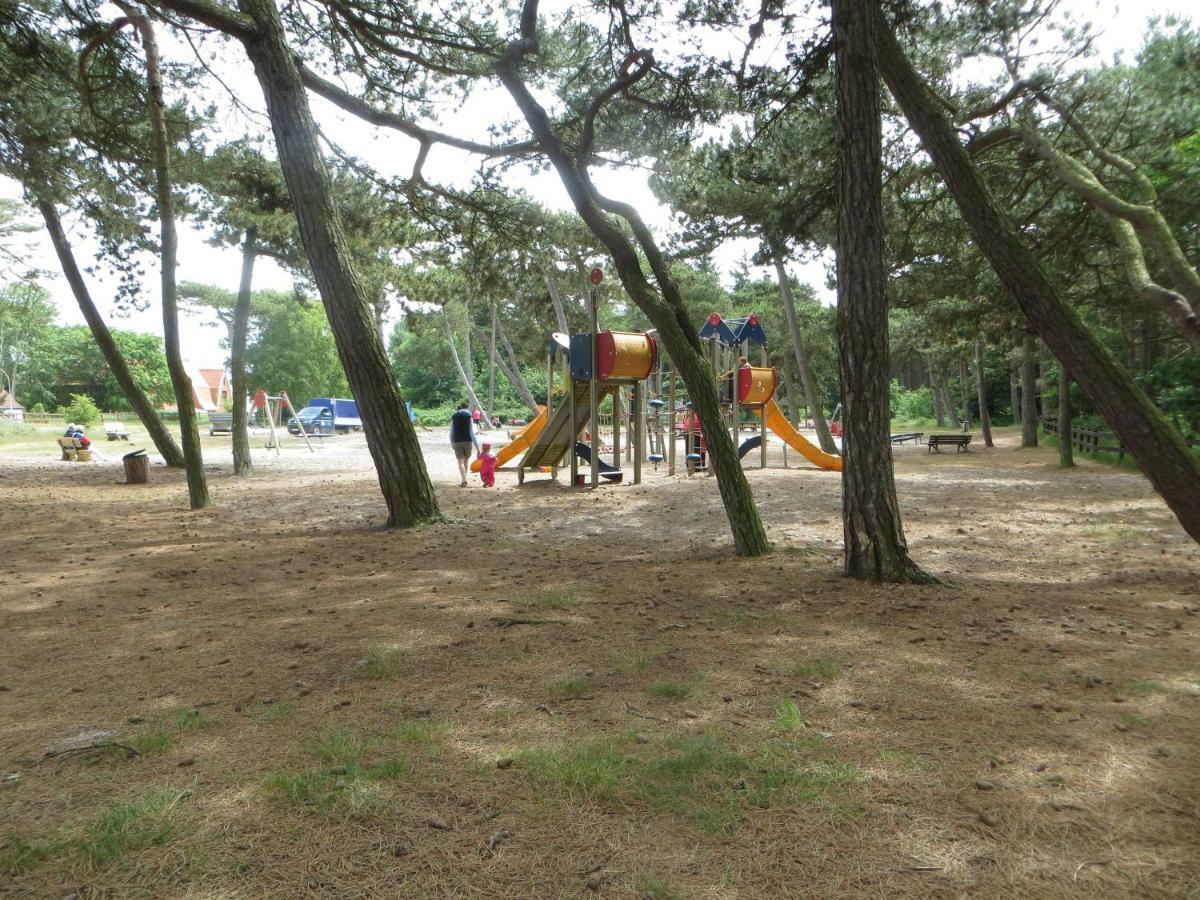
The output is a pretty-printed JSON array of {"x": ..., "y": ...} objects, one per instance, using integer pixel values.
[
  {"x": 458, "y": 364},
  {"x": 985, "y": 419},
  {"x": 164, "y": 197},
  {"x": 874, "y": 535},
  {"x": 242, "y": 463},
  {"x": 811, "y": 393},
  {"x": 665, "y": 310},
  {"x": 1014, "y": 395},
  {"x": 138, "y": 401},
  {"x": 1029, "y": 416},
  {"x": 1066, "y": 453},
  {"x": 964, "y": 394},
  {"x": 391, "y": 438},
  {"x": 515, "y": 377},
  {"x": 560, "y": 312},
  {"x": 491, "y": 348},
  {"x": 1159, "y": 450},
  {"x": 935, "y": 393}
]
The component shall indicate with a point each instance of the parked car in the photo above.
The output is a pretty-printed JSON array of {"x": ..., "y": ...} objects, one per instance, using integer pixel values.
[{"x": 314, "y": 420}]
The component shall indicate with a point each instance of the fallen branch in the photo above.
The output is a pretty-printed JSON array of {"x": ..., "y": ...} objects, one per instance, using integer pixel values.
[{"x": 509, "y": 621}]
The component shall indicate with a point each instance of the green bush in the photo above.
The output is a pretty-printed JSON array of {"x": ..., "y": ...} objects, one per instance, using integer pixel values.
[
  {"x": 82, "y": 410},
  {"x": 911, "y": 406}
]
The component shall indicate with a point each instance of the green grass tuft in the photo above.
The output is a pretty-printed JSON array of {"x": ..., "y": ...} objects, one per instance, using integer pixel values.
[
  {"x": 569, "y": 688},
  {"x": 385, "y": 661},
  {"x": 145, "y": 822},
  {"x": 669, "y": 690},
  {"x": 788, "y": 716},
  {"x": 193, "y": 720},
  {"x": 1144, "y": 688},
  {"x": 18, "y": 856},
  {"x": 824, "y": 667},
  {"x": 652, "y": 887},
  {"x": 151, "y": 741},
  {"x": 547, "y": 600},
  {"x": 338, "y": 747}
]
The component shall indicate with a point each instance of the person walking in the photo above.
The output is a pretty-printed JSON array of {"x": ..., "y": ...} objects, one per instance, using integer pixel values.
[{"x": 463, "y": 439}]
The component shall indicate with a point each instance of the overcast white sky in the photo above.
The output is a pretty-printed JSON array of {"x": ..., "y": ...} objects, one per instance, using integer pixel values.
[{"x": 1121, "y": 25}]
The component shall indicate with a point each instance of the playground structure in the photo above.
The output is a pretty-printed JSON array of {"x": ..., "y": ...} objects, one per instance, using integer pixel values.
[
  {"x": 603, "y": 365},
  {"x": 273, "y": 408}
]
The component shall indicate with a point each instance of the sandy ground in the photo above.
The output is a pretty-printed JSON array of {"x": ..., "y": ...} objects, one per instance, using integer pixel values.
[{"x": 1030, "y": 728}]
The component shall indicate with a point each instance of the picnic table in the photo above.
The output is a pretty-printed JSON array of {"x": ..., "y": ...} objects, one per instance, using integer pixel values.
[
  {"x": 914, "y": 436},
  {"x": 115, "y": 431}
]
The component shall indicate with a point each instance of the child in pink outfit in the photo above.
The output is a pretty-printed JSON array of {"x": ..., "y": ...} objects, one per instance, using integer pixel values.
[{"x": 487, "y": 466}]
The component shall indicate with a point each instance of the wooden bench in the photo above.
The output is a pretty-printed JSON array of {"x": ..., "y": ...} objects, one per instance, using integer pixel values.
[
  {"x": 914, "y": 436},
  {"x": 220, "y": 421},
  {"x": 959, "y": 441},
  {"x": 73, "y": 450},
  {"x": 115, "y": 431}
]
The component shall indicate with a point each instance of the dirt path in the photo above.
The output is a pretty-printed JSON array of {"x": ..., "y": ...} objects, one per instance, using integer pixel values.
[{"x": 323, "y": 708}]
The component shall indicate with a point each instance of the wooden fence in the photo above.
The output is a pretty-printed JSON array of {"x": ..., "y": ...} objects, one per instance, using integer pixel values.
[{"x": 1091, "y": 441}]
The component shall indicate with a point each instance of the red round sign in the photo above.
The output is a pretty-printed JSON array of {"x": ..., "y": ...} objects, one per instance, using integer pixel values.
[{"x": 597, "y": 275}]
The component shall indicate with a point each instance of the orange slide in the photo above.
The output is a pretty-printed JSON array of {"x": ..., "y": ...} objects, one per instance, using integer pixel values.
[
  {"x": 520, "y": 442},
  {"x": 779, "y": 424}
]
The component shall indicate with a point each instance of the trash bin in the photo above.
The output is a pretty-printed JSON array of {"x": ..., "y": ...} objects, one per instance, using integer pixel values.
[{"x": 137, "y": 467}]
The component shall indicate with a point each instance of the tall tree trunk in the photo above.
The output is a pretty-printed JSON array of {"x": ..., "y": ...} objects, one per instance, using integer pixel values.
[
  {"x": 985, "y": 418},
  {"x": 789, "y": 382},
  {"x": 1066, "y": 452},
  {"x": 138, "y": 401},
  {"x": 185, "y": 397},
  {"x": 560, "y": 312},
  {"x": 1029, "y": 416},
  {"x": 664, "y": 308},
  {"x": 491, "y": 348},
  {"x": 875, "y": 546},
  {"x": 1014, "y": 395},
  {"x": 242, "y": 463},
  {"x": 458, "y": 363},
  {"x": 515, "y": 377},
  {"x": 964, "y": 394},
  {"x": 935, "y": 393},
  {"x": 1158, "y": 448},
  {"x": 811, "y": 394},
  {"x": 391, "y": 438}
]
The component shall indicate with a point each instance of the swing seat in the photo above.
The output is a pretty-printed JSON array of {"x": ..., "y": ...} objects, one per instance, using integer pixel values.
[
  {"x": 694, "y": 457},
  {"x": 656, "y": 457}
]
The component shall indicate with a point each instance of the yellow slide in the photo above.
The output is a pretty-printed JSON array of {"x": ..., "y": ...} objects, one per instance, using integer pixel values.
[
  {"x": 779, "y": 424},
  {"x": 520, "y": 442}
]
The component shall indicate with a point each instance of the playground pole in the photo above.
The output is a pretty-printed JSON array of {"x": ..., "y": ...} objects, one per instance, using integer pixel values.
[
  {"x": 635, "y": 406},
  {"x": 733, "y": 391},
  {"x": 762, "y": 420},
  {"x": 616, "y": 417},
  {"x": 593, "y": 391},
  {"x": 671, "y": 424}
]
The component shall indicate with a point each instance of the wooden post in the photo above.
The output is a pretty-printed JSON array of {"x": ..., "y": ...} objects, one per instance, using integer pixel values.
[
  {"x": 274, "y": 443},
  {"x": 292, "y": 410},
  {"x": 671, "y": 424},
  {"x": 594, "y": 392},
  {"x": 635, "y": 407},
  {"x": 733, "y": 391},
  {"x": 570, "y": 382}
]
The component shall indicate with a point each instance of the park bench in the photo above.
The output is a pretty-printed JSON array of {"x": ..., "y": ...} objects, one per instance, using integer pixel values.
[
  {"x": 220, "y": 421},
  {"x": 958, "y": 441},
  {"x": 914, "y": 436},
  {"x": 73, "y": 450},
  {"x": 115, "y": 431}
]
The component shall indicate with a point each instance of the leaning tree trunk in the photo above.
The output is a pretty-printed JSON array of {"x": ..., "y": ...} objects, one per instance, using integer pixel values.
[
  {"x": 964, "y": 393},
  {"x": 811, "y": 394},
  {"x": 491, "y": 347},
  {"x": 664, "y": 309},
  {"x": 242, "y": 463},
  {"x": 513, "y": 371},
  {"x": 391, "y": 438},
  {"x": 1158, "y": 448},
  {"x": 185, "y": 397},
  {"x": 1029, "y": 417},
  {"x": 514, "y": 378},
  {"x": 1066, "y": 452},
  {"x": 458, "y": 364},
  {"x": 875, "y": 546},
  {"x": 985, "y": 419},
  {"x": 138, "y": 401},
  {"x": 1014, "y": 395}
]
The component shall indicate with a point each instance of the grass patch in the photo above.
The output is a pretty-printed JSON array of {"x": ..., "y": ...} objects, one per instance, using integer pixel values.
[
  {"x": 1144, "y": 688},
  {"x": 151, "y": 741},
  {"x": 914, "y": 762},
  {"x": 559, "y": 600},
  {"x": 788, "y": 716},
  {"x": 384, "y": 661},
  {"x": 1131, "y": 721},
  {"x": 18, "y": 856},
  {"x": 669, "y": 690},
  {"x": 823, "y": 667},
  {"x": 633, "y": 664},
  {"x": 703, "y": 779},
  {"x": 346, "y": 786},
  {"x": 571, "y": 688},
  {"x": 275, "y": 712},
  {"x": 428, "y": 733},
  {"x": 653, "y": 887},
  {"x": 193, "y": 720},
  {"x": 145, "y": 822}
]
